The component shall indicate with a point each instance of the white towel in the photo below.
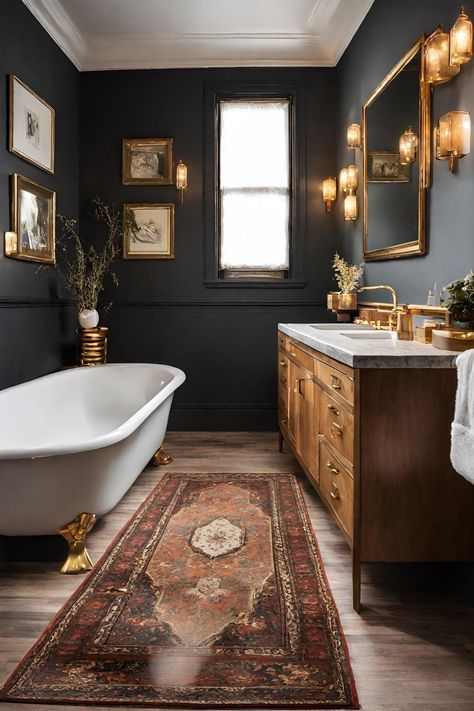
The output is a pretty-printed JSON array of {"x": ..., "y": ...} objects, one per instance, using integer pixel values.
[{"x": 462, "y": 429}]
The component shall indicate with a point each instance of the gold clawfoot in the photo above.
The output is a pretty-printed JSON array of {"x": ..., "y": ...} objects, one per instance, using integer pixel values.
[
  {"x": 160, "y": 457},
  {"x": 75, "y": 533}
]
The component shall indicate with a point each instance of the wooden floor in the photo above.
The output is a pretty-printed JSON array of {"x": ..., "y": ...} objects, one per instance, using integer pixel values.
[{"x": 412, "y": 648}]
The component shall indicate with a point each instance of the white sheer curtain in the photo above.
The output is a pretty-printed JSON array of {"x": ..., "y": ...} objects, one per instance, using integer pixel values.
[{"x": 254, "y": 184}]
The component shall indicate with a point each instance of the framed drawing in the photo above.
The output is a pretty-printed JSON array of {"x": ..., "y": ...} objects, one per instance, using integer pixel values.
[
  {"x": 148, "y": 231},
  {"x": 385, "y": 167},
  {"x": 33, "y": 221},
  {"x": 147, "y": 161},
  {"x": 31, "y": 134}
]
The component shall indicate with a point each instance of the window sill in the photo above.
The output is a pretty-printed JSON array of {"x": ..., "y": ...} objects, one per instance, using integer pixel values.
[{"x": 254, "y": 284}]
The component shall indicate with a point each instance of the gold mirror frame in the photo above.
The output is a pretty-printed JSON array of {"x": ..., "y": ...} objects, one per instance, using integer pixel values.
[{"x": 415, "y": 247}]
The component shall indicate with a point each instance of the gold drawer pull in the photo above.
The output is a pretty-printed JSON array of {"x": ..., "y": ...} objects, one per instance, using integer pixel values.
[
  {"x": 336, "y": 383},
  {"x": 336, "y": 430},
  {"x": 334, "y": 409},
  {"x": 283, "y": 363},
  {"x": 335, "y": 491},
  {"x": 332, "y": 467}
]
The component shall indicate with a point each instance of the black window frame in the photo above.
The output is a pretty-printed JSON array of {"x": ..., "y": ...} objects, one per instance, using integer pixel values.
[{"x": 214, "y": 93}]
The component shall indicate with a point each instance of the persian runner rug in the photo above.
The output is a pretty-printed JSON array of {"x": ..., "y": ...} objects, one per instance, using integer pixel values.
[{"x": 213, "y": 595}]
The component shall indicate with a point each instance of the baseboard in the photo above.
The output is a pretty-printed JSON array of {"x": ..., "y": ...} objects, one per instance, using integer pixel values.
[{"x": 221, "y": 417}]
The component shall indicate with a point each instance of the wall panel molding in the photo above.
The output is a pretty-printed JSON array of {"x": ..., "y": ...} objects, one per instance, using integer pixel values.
[{"x": 33, "y": 302}]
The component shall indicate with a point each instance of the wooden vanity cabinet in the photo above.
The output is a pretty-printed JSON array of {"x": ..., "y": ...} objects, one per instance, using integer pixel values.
[{"x": 375, "y": 445}]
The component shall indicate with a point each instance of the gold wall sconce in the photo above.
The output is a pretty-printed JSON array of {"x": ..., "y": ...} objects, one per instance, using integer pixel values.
[
  {"x": 352, "y": 179},
  {"x": 350, "y": 208},
  {"x": 329, "y": 191},
  {"x": 353, "y": 136},
  {"x": 453, "y": 137},
  {"x": 349, "y": 182},
  {"x": 343, "y": 180},
  {"x": 181, "y": 179},
  {"x": 438, "y": 68},
  {"x": 460, "y": 40},
  {"x": 407, "y": 146},
  {"x": 446, "y": 53},
  {"x": 11, "y": 244}
]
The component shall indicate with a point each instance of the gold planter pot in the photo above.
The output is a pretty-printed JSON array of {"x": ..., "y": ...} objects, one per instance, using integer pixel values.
[
  {"x": 337, "y": 301},
  {"x": 93, "y": 346}
]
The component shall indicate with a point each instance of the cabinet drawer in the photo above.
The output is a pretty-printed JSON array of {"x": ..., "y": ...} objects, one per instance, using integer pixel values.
[
  {"x": 337, "y": 487},
  {"x": 282, "y": 340},
  {"x": 303, "y": 358},
  {"x": 340, "y": 383},
  {"x": 337, "y": 426},
  {"x": 282, "y": 368}
]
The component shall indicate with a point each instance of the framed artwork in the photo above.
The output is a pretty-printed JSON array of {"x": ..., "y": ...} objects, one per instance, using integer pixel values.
[
  {"x": 148, "y": 231},
  {"x": 385, "y": 167},
  {"x": 31, "y": 134},
  {"x": 33, "y": 221},
  {"x": 147, "y": 161}
]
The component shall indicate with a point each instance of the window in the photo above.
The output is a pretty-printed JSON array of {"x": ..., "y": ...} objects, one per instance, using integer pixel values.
[
  {"x": 254, "y": 187},
  {"x": 254, "y": 184}
]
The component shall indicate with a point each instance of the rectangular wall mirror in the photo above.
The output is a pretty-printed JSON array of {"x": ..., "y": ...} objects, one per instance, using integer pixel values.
[{"x": 394, "y": 201}]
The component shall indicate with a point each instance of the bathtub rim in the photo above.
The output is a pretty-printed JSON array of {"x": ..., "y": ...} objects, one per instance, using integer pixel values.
[{"x": 124, "y": 430}]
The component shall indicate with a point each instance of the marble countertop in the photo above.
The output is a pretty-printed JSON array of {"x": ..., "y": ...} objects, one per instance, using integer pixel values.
[{"x": 346, "y": 344}]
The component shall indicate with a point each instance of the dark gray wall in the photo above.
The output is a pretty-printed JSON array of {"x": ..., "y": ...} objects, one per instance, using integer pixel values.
[
  {"x": 388, "y": 31},
  {"x": 35, "y": 328},
  {"x": 224, "y": 339}
]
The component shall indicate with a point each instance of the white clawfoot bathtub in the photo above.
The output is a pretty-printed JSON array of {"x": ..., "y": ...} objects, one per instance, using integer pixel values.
[{"x": 75, "y": 441}]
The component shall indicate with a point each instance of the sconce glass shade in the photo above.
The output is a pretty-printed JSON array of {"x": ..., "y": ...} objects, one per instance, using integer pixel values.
[
  {"x": 353, "y": 136},
  {"x": 329, "y": 191},
  {"x": 11, "y": 244},
  {"x": 350, "y": 208},
  {"x": 461, "y": 40},
  {"x": 453, "y": 136},
  {"x": 352, "y": 178},
  {"x": 438, "y": 68},
  {"x": 407, "y": 146},
  {"x": 343, "y": 180},
  {"x": 181, "y": 178}
]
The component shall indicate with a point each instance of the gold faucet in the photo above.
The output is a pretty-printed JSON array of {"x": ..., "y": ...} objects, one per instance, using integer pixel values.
[
  {"x": 392, "y": 317},
  {"x": 399, "y": 318}
]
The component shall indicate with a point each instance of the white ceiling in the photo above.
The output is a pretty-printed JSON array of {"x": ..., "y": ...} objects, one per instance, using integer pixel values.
[{"x": 151, "y": 34}]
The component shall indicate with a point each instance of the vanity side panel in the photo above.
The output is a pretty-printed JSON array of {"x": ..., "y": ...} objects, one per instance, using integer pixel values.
[{"x": 414, "y": 506}]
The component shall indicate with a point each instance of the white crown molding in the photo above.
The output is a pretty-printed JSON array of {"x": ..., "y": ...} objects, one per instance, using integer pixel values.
[
  {"x": 57, "y": 23},
  {"x": 330, "y": 27}
]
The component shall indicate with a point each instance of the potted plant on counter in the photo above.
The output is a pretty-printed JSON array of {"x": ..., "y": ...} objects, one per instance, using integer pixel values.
[
  {"x": 83, "y": 268},
  {"x": 460, "y": 301},
  {"x": 348, "y": 277}
]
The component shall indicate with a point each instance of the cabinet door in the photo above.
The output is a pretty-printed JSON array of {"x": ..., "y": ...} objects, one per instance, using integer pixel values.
[
  {"x": 307, "y": 440},
  {"x": 303, "y": 417},
  {"x": 294, "y": 374}
]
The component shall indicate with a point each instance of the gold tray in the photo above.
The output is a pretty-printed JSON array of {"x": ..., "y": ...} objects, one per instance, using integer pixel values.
[{"x": 453, "y": 339}]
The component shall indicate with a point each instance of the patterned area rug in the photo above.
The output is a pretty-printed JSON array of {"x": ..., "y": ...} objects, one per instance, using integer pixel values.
[{"x": 213, "y": 595}]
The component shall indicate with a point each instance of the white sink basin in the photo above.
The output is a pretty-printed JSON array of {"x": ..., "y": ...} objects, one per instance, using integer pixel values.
[
  {"x": 340, "y": 327},
  {"x": 371, "y": 335}
]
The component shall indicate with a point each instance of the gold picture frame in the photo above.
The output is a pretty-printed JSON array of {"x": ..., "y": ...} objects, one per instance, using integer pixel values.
[
  {"x": 31, "y": 126},
  {"x": 147, "y": 161},
  {"x": 385, "y": 167},
  {"x": 33, "y": 217},
  {"x": 148, "y": 231}
]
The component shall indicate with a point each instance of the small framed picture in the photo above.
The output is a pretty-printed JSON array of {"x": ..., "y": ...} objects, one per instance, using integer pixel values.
[
  {"x": 148, "y": 231},
  {"x": 385, "y": 167},
  {"x": 33, "y": 221},
  {"x": 31, "y": 134},
  {"x": 147, "y": 161}
]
